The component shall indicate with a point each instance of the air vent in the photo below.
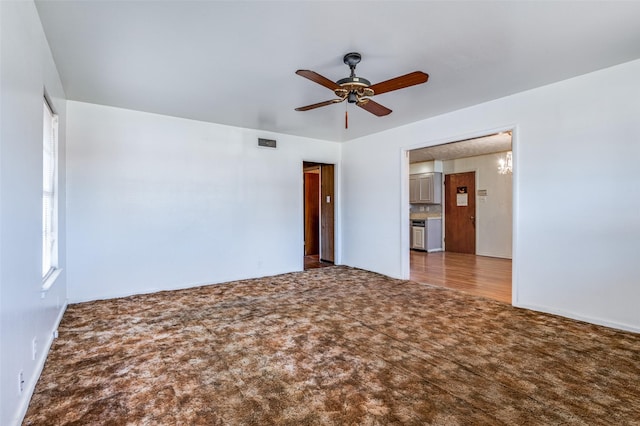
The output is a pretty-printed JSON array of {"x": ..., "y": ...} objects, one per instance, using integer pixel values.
[{"x": 267, "y": 143}]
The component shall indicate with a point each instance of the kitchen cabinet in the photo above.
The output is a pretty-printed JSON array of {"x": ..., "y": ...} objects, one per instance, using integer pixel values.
[
  {"x": 434, "y": 234},
  {"x": 426, "y": 234},
  {"x": 425, "y": 188}
]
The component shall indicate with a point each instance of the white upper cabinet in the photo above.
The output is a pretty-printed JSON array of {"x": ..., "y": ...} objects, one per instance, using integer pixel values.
[{"x": 425, "y": 188}]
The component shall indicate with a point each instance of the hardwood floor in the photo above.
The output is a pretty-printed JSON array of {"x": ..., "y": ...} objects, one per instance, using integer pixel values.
[
  {"x": 313, "y": 261},
  {"x": 479, "y": 275}
]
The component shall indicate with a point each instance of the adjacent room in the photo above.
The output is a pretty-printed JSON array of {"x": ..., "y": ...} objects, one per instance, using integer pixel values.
[
  {"x": 458, "y": 240},
  {"x": 258, "y": 212}
]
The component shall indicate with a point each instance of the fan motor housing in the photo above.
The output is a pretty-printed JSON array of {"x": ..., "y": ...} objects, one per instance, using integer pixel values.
[
  {"x": 353, "y": 88},
  {"x": 355, "y": 81}
]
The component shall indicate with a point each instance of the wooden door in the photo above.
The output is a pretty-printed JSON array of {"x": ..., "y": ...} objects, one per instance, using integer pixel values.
[
  {"x": 460, "y": 212},
  {"x": 311, "y": 213},
  {"x": 327, "y": 213}
]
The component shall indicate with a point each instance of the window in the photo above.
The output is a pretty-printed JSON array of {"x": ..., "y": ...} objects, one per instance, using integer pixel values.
[{"x": 49, "y": 196}]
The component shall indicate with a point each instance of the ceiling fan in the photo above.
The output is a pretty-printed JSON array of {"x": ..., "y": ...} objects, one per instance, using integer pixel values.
[{"x": 358, "y": 90}]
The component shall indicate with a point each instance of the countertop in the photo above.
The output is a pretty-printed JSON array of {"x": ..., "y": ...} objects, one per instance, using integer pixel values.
[{"x": 419, "y": 216}]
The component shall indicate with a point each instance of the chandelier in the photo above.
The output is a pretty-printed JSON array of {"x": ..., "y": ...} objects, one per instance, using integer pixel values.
[{"x": 505, "y": 164}]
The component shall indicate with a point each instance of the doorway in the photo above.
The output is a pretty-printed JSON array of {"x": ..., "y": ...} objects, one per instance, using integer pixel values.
[
  {"x": 319, "y": 214},
  {"x": 477, "y": 216}
]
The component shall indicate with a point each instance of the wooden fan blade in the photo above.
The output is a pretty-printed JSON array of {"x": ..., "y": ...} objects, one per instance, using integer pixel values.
[
  {"x": 374, "y": 107},
  {"x": 411, "y": 79},
  {"x": 319, "y": 104},
  {"x": 317, "y": 78}
]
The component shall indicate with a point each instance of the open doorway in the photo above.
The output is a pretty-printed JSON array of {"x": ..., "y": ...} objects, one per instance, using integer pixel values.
[
  {"x": 475, "y": 213},
  {"x": 319, "y": 215}
]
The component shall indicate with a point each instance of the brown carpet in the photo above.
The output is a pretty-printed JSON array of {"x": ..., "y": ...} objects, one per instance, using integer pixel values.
[{"x": 332, "y": 346}]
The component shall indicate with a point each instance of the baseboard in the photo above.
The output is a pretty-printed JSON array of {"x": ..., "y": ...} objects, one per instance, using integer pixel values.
[
  {"x": 151, "y": 290},
  {"x": 571, "y": 315},
  {"x": 42, "y": 358}
]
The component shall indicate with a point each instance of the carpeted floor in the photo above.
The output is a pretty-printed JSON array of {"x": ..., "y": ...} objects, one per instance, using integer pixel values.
[{"x": 334, "y": 345}]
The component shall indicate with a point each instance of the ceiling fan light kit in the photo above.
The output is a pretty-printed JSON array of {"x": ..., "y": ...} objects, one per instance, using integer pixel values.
[{"x": 358, "y": 90}]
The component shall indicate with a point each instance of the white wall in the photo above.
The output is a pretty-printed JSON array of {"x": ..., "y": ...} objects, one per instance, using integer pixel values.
[
  {"x": 576, "y": 148},
  {"x": 423, "y": 167},
  {"x": 494, "y": 221},
  {"x": 157, "y": 202},
  {"x": 26, "y": 71}
]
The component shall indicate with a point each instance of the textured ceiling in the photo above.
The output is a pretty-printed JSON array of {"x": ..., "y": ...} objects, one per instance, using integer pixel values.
[
  {"x": 490, "y": 144},
  {"x": 233, "y": 62}
]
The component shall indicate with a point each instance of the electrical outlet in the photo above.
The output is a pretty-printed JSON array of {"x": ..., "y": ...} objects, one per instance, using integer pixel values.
[
  {"x": 21, "y": 381},
  {"x": 34, "y": 349}
]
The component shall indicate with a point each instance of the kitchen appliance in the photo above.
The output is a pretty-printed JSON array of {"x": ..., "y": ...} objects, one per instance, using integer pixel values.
[
  {"x": 418, "y": 234},
  {"x": 426, "y": 234}
]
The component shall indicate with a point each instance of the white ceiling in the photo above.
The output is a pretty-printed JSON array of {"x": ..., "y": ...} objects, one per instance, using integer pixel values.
[{"x": 233, "y": 62}]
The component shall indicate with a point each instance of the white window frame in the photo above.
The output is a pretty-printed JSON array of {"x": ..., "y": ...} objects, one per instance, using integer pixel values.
[{"x": 50, "y": 270}]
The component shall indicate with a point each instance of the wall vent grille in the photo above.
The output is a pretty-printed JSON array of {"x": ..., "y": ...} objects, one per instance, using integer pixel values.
[{"x": 267, "y": 143}]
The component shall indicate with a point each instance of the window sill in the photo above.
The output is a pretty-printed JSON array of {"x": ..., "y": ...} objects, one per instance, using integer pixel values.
[{"x": 48, "y": 282}]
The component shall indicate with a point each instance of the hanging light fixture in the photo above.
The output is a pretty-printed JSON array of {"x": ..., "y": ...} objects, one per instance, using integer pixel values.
[{"x": 505, "y": 164}]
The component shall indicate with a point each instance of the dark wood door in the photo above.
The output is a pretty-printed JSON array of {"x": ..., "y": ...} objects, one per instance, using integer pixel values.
[
  {"x": 460, "y": 212},
  {"x": 327, "y": 213},
  {"x": 311, "y": 213}
]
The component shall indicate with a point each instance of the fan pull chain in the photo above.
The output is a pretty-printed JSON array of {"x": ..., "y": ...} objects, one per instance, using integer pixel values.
[{"x": 346, "y": 117}]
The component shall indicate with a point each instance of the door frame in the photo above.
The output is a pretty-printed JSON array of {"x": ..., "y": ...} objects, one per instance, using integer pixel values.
[
  {"x": 337, "y": 252},
  {"x": 404, "y": 198}
]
